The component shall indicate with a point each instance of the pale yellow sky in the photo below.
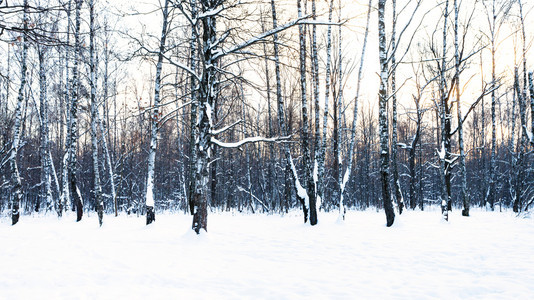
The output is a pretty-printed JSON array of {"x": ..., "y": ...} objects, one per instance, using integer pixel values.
[{"x": 355, "y": 13}]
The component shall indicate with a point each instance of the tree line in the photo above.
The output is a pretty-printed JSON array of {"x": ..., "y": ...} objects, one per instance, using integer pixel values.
[{"x": 265, "y": 106}]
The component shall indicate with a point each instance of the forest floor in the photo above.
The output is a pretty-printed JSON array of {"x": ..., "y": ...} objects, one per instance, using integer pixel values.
[{"x": 489, "y": 255}]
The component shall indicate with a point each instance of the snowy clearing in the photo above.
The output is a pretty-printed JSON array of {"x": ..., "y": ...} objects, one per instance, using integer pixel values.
[{"x": 486, "y": 256}]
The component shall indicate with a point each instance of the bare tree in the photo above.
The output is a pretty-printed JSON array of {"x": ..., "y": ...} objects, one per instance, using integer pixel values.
[
  {"x": 343, "y": 181},
  {"x": 94, "y": 115},
  {"x": 155, "y": 117},
  {"x": 383, "y": 116},
  {"x": 309, "y": 181},
  {"x": 15, "y": 176},
  {"x": 73, "y": 134}
]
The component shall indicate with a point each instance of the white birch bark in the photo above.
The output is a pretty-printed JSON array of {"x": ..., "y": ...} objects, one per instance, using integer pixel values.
[
  {"x": 299, "y": 190},
  {"x": 97, "y": 187},
  {"x": 270, "y": 171},
  {"x": 490, "y": 194},
  {"x": 46, "y": 184},
  {"x": 154, "y": 119},
  {"x": 383, "y": 116},
  {"x": 343, "y": 181},
  {"x": 247, "y": 154},
  {"x": 322, "y": 147},
  {"x": 394, "y": 135},
  {"x": 464, "y": 197},
  {"x": 318, "y": 146},
  {"x": 194, "y": 104},
  {"x": 16, "y": 192},
  {"x": 444, "y": 152},
  {"x": 104, "y": 130},
  {"x": 308, "y": 164},
  {"x": 65, "y": 195},
  {"x": 522, "y": 98},
  {"x": 73, "y": 134},
  {"x": 207, "y": 93}
]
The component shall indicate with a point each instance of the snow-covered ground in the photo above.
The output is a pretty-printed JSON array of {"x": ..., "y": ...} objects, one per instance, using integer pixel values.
[{"x": 486, "y": 256}]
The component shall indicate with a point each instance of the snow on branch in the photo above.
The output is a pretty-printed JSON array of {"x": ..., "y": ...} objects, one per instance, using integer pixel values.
[
  {"x": 182, "y": 66},
  {"x": 210, "y": 13},
  {"x": 219, "y": 131},
  {"x": 171, "y": 114},
  {"x": 247, "y": 141},
  {"x": 301, "y": 192}
]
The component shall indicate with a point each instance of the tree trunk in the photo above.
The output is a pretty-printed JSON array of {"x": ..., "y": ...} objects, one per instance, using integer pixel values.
[
  {"x": 46, "y": 184},
  {"x": 343, "y": 180},
  {"x": 207, "y": 90},
  {"x": 308, "y": 165},
  {"x": 522, "y": 98},
  {"x": 318, "y": 171},
  {"x": 65, "y": 195},
  {"x": 383, "y": 117},
  {"x": 290, "y": 170},
  {"x": 16, "y": 192},
  {"x": 73, "y": 135},
  {"x": 394, "y": 138},
  {"x": 194, "y": 108},
  {"x": 94, "y": 117},
  {"x": 445, "y": 118},
  {"x": 271, "y": 161},
  {"x": 104, "y": 128},
  {"x": 412, "y": 154},
  {"x": 154, "y": 122},
  {"x": 490, "y": 195},
  {"x": 464, "y": 197},
  {"x": 321, "y": 156},
  {"x": 519, "y": 165}
]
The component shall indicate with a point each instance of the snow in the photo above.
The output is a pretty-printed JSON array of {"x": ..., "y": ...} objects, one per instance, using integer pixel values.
[
  {"x": 530, "y": 136},
  {"x": 315, "y": 172},
  {"x": 485, "y": 256},
  {"x": 242, "y": 142},
  {"x": 149, "y": 201},
  {"x": 302, "y": 193},
  {"x": 441, "y": 152}
]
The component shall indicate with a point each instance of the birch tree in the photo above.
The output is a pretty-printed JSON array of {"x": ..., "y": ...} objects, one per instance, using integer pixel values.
[
  {"x": 211, "y": 51},
  {"x": 103, "y": 124},
  {"x": 194, "y": 101},
  {"x": 73, "y": 134},
  {"x": 394, "y": 136},
  {"x": 383, "y": 116},
  {"x": 445, "y": 123},
  {"x": 464, "y": 197},
  {"x": 155, "y": 119},
  {"x": 342, "y": 181},
  {"x": 65, "y": 195},
  {"x": 46, "y": 185},
  {"x": 319, "y": 151},
  {"x": 496, "y": 18},
  {"x": 290, "y": 167},
  {"x": 309, "y": 181},
  {"x": 94, "y": 116},
  {"x": 15, "y": 176}
]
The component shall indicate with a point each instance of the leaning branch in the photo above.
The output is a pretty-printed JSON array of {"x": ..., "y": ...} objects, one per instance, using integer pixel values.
[
  {"x": 241, "y": 189},
  {"x": 485, "y": 93},
  {"x": 219, "y": 131}
]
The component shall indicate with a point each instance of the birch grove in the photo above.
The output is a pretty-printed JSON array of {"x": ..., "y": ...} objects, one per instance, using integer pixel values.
[{"x": 200, "y": 106}]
